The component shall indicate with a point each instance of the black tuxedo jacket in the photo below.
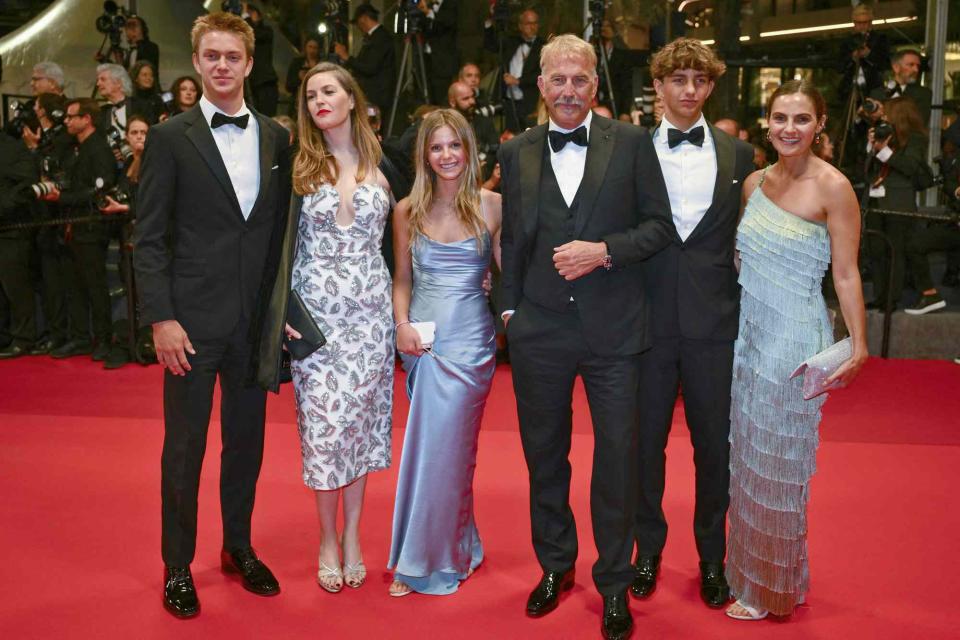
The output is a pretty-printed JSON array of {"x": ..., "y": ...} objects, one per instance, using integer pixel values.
[
  {"x": 692, "y": 285},
  {"x": 441, "y": 34},
  {"x": 531, "y": 65},
  {"x": 149, "y": 51},
  {"x": 197, "y": 260},
  {"x": 921, "y": 96},
  {"x": 622, "y": 201},
  {"x": 374, "y": 67}
]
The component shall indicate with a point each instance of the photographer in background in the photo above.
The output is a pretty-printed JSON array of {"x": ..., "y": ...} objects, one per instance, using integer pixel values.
[
  {"x": 864, "y": 55},
  {"x": 895, "y": 173},
  {"x": 46, "y": 77},
  {"x": 123, "y": 200},
  {"x": 374, "y": 66},
  {"x": 263, "y": 78},
  {"x": 141, "y": 47},
  {"x": 48, "y": 144},
  {"x": 17, "y": 172},
  {"x": 520, "y": 65},
  {"x": 86, "y": 243},
  {"x": 905, "y": 82}
]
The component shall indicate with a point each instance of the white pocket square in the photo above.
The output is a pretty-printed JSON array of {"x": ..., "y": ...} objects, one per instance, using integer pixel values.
[
  {"x": 276, "y": 166},
  {"x": 735, "y": 181}
]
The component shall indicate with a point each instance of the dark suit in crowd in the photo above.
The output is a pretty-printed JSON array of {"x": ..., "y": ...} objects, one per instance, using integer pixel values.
[
  {"x": 594, "y": 327},
  {"x": 17, "y": 171},
  {"x": 694, "y": 303},
  {"x": 921, "y": 96},
  {"x": 443, "y": 61},
  {"x": 145, "y": 50},
  {"x": 519, "y": 113},
  {"x": 200, "y": 262},
  {"x": 874, "y": 65},
  {"x": 263, "y": 77},
  {"x": 374, "y": 67}
]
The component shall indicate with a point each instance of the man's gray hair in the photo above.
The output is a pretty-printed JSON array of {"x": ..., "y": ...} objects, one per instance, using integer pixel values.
[
  {"x": 119, "y": 74},
  {"x": 51, "y": 71}
]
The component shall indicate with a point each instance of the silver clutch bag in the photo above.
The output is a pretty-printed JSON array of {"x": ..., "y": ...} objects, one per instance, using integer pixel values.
[{"x": 816, "y": 369}]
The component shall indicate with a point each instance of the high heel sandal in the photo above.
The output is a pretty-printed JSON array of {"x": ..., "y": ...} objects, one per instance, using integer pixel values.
[
  {"x": 399, "y": 589},
  {"x": 753, "y": 613},
  {"x": 354, "y": 575},
  {"x": 325, "y": 573}
]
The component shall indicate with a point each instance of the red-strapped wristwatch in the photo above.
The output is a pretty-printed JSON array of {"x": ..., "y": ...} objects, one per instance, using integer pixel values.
[{"x": 607, "y": 262}]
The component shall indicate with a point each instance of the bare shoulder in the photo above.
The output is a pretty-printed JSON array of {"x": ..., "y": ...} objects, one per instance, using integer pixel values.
[
  {"x": 402, "y": 210},
  {"x": 490, "y": 198},
  {"x": 833, "y": 184},
  {"x": 750, "y": 184}
]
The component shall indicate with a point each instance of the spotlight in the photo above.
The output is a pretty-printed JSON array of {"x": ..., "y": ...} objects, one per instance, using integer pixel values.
[{"x": 322, "y": 28}]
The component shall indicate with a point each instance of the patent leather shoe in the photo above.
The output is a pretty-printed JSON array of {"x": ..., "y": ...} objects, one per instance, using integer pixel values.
[
  {"x": 13, "y": 351},
  {"x": 546, "y": 596},
  {"x": 714, "y": 589},
  {"x": 256, "y": 577},
  {"x": 179, "y": 594},
  {"x": 617, "y": 623},
  {"x": 646, "y": 570}
]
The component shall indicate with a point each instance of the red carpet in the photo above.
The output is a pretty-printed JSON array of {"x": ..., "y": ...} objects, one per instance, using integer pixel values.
[{"x": 79, "y": 475}]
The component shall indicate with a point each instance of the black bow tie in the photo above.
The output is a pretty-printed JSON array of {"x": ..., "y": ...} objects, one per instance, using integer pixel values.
[
  {"x": 694, "y": 136},
  {"x": 895, "y": 91},
  {"x": 239, "y": 121},
  {"x": 559, "y": 139}
]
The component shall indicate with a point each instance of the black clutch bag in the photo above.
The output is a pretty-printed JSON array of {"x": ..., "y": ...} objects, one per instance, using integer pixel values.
[{"x": 298, "y": 317}]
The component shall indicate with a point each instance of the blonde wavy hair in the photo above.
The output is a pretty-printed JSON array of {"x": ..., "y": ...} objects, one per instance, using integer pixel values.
[
  {"x": 314, "y": 164},
  {"x": 467, "y": 201}
]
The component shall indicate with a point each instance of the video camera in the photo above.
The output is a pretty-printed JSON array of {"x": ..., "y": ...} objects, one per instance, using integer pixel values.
[{"x": 112, "y": 22}]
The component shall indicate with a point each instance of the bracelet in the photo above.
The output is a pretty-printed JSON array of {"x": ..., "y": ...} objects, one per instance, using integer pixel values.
[{"x": 400, "y": 324}]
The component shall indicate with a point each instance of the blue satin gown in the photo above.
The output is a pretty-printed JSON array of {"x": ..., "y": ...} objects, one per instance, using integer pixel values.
[{"x": 435, "y": 539}]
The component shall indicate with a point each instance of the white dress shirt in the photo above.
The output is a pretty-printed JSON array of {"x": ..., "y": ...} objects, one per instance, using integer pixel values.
[
  {"x": 690, "y": 173},
  {"x": 240, "y": 151},
  {"x": 516, "y": 69},
  {"x": 568, "y": 163}
]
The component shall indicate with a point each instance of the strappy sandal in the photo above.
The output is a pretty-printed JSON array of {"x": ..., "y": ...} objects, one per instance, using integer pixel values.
[
  {"x": 325, "y": 574},
  {"x": 752, "y": 612},
  {"x": 399, "y": 589},
  {"x": 355, "y": 574}
]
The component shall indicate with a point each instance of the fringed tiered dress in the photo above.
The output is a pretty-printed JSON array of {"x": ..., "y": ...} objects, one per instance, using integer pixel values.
[{"x": 773, "y": 430}]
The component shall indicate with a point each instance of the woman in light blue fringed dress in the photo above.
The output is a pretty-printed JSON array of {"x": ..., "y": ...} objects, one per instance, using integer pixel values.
[
  {"x": 444, "y": 236},
  {"x": 801, "y": 215}
]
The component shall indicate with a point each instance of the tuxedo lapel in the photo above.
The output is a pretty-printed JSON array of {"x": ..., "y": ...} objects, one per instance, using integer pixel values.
[
  {"x": 531, "y": 165},
  {"x": 726, "y": 152},
  {"x": 595, "y": 169},
  {"x": 198, "y": 132},
  {"x": 266, "y": 158}
]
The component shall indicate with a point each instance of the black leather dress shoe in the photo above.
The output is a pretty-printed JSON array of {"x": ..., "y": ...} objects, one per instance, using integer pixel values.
[
  {"x": 546, "y": 596},
  {"x": 646, "y": 570},
  {"x": 44, "y": 347},
  {"x": 72, "y": 348},
  {"x": 257, "y": 578},
  {"x": 179, "y": 594},
  {"x": 713, "y": 585},
  {"x": 100, "y": 352},
  {"x": 617, "y": 623},
  {"x": 13, "y": 351}
]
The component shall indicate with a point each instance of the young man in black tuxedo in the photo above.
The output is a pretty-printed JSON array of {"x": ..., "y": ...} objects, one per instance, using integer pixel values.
[
  {"x": 694, "y": 304},
  {"x": 583, "y": 204},
  {"x": 213, "y": 187}
]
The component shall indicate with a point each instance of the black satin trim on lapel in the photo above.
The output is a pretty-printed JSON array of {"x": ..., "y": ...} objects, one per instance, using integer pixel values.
[
  {"x": 726, "y": 151},
  {"x": 199, "y": 134},
  {"x": 266, "y": 140},
  {"x": 531, "y": 166},
  {"x": 595, "y": 169}
]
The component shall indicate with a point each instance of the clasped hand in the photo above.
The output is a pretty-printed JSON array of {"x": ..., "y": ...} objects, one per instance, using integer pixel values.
[{"x": 408, "y": 341}]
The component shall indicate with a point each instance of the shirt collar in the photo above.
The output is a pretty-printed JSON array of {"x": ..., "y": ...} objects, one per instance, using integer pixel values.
[
  {"x": 209, "y": 109},
  {"x": 586, "y": 123},
  {"x": 372, "y": 29}
]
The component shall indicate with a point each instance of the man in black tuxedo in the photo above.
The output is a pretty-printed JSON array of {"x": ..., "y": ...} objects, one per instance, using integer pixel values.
[
  {"x": 440, "y": 37},
  {"x": 864, "y": 55},
  {"x": 520, "y": 66},
  {"x": 374, "y": 66},
  {"x": 905, "y": 83},
  {"x": 141, "y": 46},
  {"x": 115, "y": 86},
  {"x": 263, "y": 78},
  {"x": 583, "y": 204},
  {"x": 694, "y": 304},
  {"x": 213, "y": 187}
]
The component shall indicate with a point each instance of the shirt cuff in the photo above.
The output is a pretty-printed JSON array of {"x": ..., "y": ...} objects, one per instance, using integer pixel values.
[
  {"x": 506, "y": 314},
  {"x": 884, "y": 154}
]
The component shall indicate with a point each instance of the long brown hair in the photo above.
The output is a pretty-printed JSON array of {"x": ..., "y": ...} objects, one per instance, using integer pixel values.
[
  {"x": 467, "y": 201},
  {"x": 905, "y": 117},
  {"x": 313, "y": 164}
]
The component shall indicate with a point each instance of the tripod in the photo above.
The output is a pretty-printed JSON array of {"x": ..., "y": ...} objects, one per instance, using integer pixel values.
[{"x": 413, "y": 59}]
